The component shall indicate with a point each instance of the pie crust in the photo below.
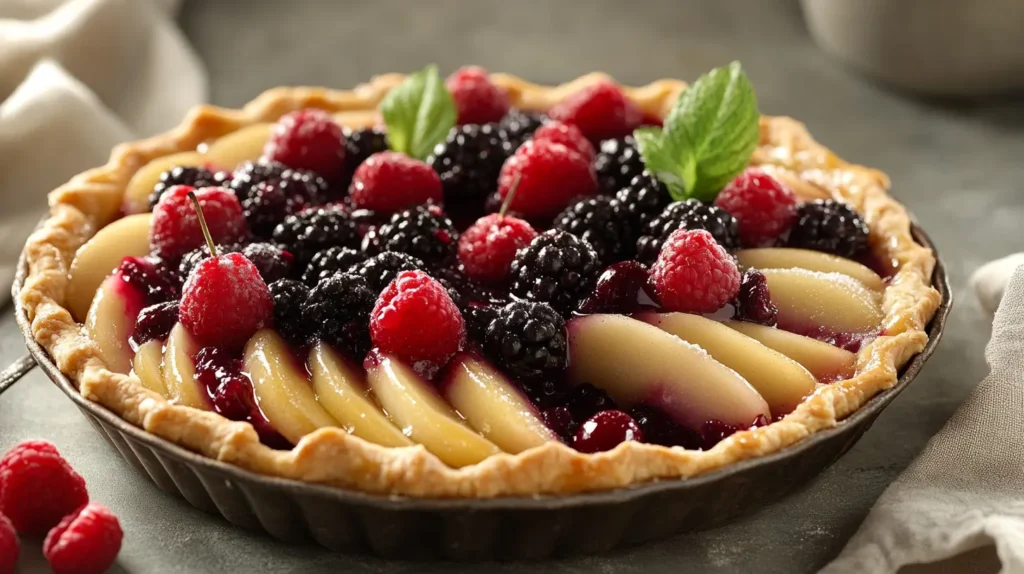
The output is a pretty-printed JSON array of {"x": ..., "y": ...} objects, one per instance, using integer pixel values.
[{"x": 92, "y": 199}]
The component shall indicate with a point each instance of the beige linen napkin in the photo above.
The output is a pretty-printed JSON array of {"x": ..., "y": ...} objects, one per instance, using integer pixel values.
[
  {"x": 76, "y": 78},
  {"x": 965, "y": 492}
]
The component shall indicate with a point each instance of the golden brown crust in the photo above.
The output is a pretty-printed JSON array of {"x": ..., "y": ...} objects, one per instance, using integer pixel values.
[{"x": 330, "y": 456}]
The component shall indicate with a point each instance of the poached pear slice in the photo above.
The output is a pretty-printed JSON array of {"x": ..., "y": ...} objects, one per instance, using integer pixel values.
[
  {"x": 100, "y": 256},
  {"x": 179, "y": 370},
  {"x": 827, "y": 363},
  {"x": 810, "y": 302},
  {"x": 788, "y": 258},
  {"x": 237, "y": 147},
  {"x": 140, "y": 186},
  {"x": 148, "y": 367},
  {"x": 111, "y": 320}
]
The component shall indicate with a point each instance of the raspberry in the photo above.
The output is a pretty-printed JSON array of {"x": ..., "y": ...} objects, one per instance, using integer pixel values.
[
  {"x": 38, "y": 487},
  {"x": 477, "y": 99},
  {"x": 382, "y": 268},
  {"x": 416, "y": 319},
  {"x": 85, "y": 542},
  {"x": 528, "y": 342},
  {"x": 308, "y": 139},
  {"x": 689, "y": 214},
  {"x": 520, "y": 125},
  {"x": 568, "y": 135},
  {"x": 10, "y": 546},
  {"x": 487, "y": 248},
  {"x": 389, "y": 181},
  {"x": 197, "y": 255},
  {"x": 599, "y": 222},
  {"x": 225, "y": 301},
  {"x": 830, "y": 226},
  {"x": 600, "y": 110},
  {"x": 310, "y": 231},
  {"x": 469, "y": 161},
  {"x": 763, "y": 207},
  {"x": 192, "y": 176},
  {"x": 424, "y": 232},
  {"x": 754, "y": 303},
  {"x": 289, "y": 300},
  {"x": 155, "y": 322},
  {"x": 330, "y": 261},
  {"x": 175, "y": 228},
  {"x": 339, "y": 308},
  {"x": 694, "y": 274},
  {"x": 549, "y": 176},
  {"x": 618, "y": 163},
  {"x": 361, "y": 144}
]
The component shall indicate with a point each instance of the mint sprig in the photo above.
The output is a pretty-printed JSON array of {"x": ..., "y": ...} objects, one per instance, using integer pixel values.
[
  {"x": 707, "y": 138},
  {"x": 418, "y": 113}
]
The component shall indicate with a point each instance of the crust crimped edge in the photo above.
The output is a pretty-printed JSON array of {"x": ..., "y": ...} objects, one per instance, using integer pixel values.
[{"x": 330, "y": 456}]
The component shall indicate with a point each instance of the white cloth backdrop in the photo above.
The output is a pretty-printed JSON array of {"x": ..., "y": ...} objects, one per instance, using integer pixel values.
[{"x": 76, "y": 78}]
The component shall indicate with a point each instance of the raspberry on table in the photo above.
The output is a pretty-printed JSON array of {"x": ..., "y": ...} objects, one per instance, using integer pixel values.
[
  {"x": 830, "y": 226},
  {"x": 477, "y": 99},
  {"x": 339, "y": 308},
  {"x": 388, "y": 182},
  {"x": 556, "y": 268},
  {"x": 10, "y": 546},
  {"x": 487, "y": 248},
  {"x": 192, "y": 176},
  {"x": 290, "y": 298},
  {"x": 694, "y": 274},
  {"x": 469, "y": 161},
  {"x": 330, "y": 261},
  {"x": 688, "y": 214},
  {"x": 424, "y": 232},
  {"x": 527, "y": 341},
  {"x": 568, "y": 135},
  {"x": 382, "y": 268},
  {"x": 361, "y": 144},
  {"x": 764, "y": 208},
  {"x": 617, "y": 163},
  {"x": 308, "y": 139},
  {"x": 85, "y": 542},
  {"x": 416, "y": 319},
  {"x": 546, "y": 176},
  {"x": 313, "y": 230},
  {"x": 520, "y": 125},
  {"x": 175, "y": 228},
  {"x": 599, "y": 221},
  {"x": 601, "y": 111},
  {"x": 38, "y": 487},
  {"x": 225, "y": 301}
]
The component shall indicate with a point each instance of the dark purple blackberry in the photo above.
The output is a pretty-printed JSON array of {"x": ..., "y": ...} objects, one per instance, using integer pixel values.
[
  {"x": 338, "y": 308},
  {"x": 271, "y": 261},
  {"x": 586, "y": 400},
  {"x": 290, "y": 298},
  {"x": 830, "y": 226},
  {"x": 560, "y": 421},
  {"x": 617, "y": 163},
  {"x": 519, "y": 126},
  {"x": 194, "y": 176},
  {"x": 527, "y": 341},
  {"x": 556, "y": 268},
  {"x": 468, "y": 162},
  {"x": 689, "y": 214},
  {"x": 330, "y": 261},
  {"x": 643, "y": 199},
  {"x": 754, "y": 302},
  {"x": 155, "y": 322},
  {"x": 382, "y": 268},
  {"x": 424, "y": 232},
  {"x": 299, "y": 186},
  {"x": 153, "y": 277},
  {"x": 599, "y": 221},
  {"x": 361, "y": 144},
  {"x": 659, "y": 428},
  {"x": 266, "y": 206},
  {"x": 478, "y": 318},
  {"x": 313, "y": 230},
  {"x": 194, "y": 257}
]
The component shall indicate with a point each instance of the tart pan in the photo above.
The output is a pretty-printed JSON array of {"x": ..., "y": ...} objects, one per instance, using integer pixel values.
[{"x": 489, "y": 529}]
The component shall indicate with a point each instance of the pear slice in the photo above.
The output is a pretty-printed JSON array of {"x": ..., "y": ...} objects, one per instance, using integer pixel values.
[
  {"x": 826, "y": 362},
  {"x": 111, "y": 320},
  {"x": 136, "y": 194},
  {"x": 787, "y": 258},
  {"x": 416, "y": 408},
  {"x": 341, "y": 390},
  {"x": 782, "y": 381},
  {"x": 810, "y": 301},
  {"x": 638, "y": 363},
  {"x": 237, "y": 147},
  {"x": 284, "y": 393},
  {"x": 100, "y": 256},
  {"x": 493, "y": 406},
  {"x": 179, "y": 370},
  {"x": 148, "y": 366}
]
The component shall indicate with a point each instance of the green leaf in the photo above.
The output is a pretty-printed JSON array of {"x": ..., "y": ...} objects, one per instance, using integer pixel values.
[
  {"x": 708, "y": 136},
  {"x": 418, "y": 113}
]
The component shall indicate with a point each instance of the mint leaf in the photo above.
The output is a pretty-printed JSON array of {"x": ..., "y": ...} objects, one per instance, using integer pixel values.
[
  {"x": 418, "y": 113},
  {"x": 708, "y": 136}
]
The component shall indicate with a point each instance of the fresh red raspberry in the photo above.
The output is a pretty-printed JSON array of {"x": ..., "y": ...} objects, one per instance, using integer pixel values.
[
  {"x": 549, "y": 174},
  {"x": 388, "y": 182},
  {"x": 487, "y": 248},
  {"x": 694, "y": 274},
  {"x": 175, "y": 228},
  {"x": 600, "y": 110},
  {"x": 477, "y": 99},
  {"x": 38, "y": 487},
  {"x": 10, "y": 546},
  {"x": 225, "y": 301},
  {"x": 763, "y": 206},
  {"x": 568, "y": 135},
  {"x": 416, "y": 319},
  {"x": 85, "y": 542},
  {"x": 308, "y": 139}
]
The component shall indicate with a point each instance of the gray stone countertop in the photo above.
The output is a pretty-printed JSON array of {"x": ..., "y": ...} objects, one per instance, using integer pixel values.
[{"x": 956, "y": 166}]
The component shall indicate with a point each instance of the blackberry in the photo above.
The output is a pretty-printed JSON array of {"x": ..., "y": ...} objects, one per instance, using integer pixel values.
[
  {"x": 519, "y": 126},
  {"x": 689, "y": 214},
  {"x": 556, "y": 268},
  {"x": 290, "y": 298},
  {"x": 330, "y": 261},
  {"x": 155, "y": 322},
  {"x": 266, "y": 206},
  {"x": 659, "y": 428},
  {"x": 381, "y": 269},
  {"x": 271, "y": 261},
  {"x": 586, "y": 400},
  {"x": 642, "y": 200},
  {"x": 617, "y": 163},
  {"x": 339, "y": 309},
  {"x": 361, "y": 144},
  {"x": 312, "y": 230},
  {"x": 478, "y": 318},
  {"x": 194, "y": 257},
  {"x": 152, "y": 276},
  {"x": 298, "y": 186},
  {"x": 599, "y": 222},
  {"x": 830, "y": 226},
  {"x": 753, "y": 302},
  {"x": 527, "y": 341},
  {"x": 194, "y": 176},
  {"x": 468, "y": 162},
  {"x": 424, "y": 232}
]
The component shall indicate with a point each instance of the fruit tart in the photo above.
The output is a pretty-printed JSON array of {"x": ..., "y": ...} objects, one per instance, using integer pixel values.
[{"x": 478, "y": 286}]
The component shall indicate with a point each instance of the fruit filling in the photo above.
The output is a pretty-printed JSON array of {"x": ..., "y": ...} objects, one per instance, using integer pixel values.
[{"x": 497, "y": 280}]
